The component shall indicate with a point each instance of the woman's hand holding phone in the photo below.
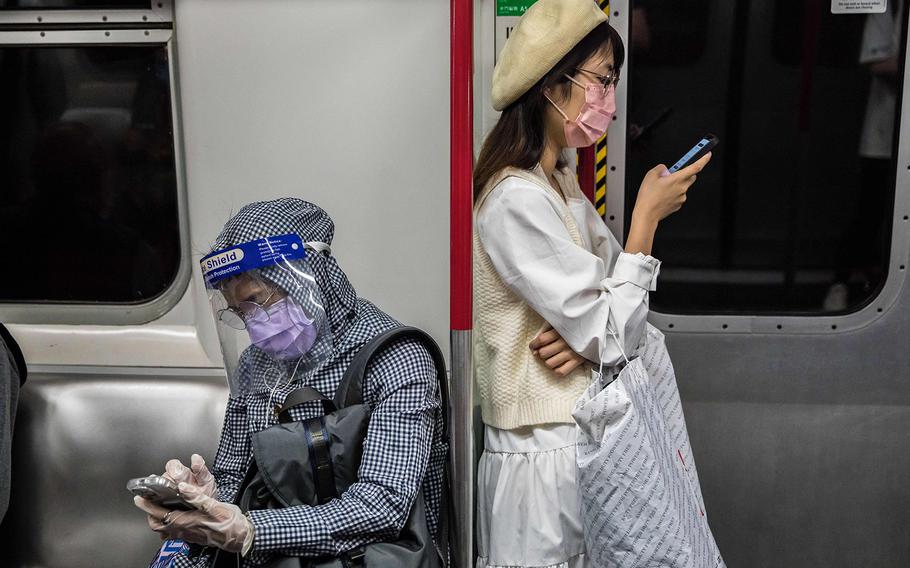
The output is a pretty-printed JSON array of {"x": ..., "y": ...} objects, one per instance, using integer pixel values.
[
  {"x": 659, "y": 196},
  {"x": 662, "y": 195}
]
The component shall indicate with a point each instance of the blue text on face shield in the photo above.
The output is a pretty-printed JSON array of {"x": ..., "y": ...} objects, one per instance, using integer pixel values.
[
  {"x": 220, "y": 259},
  {"x": 239, "y": 258}
]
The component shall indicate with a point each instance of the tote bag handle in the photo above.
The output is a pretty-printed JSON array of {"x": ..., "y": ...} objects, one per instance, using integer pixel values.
[{"x": 600, "y": 370}]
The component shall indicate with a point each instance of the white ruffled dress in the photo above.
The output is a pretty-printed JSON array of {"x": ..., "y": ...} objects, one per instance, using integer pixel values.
[{"x": 528, "y": 510}]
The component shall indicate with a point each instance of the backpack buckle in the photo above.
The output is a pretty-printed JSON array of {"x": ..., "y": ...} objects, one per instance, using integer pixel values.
[{"x": 354, "y": 558}]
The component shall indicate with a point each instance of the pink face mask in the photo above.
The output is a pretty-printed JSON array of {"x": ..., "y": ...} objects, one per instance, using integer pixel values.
[{"x": 593, "y": 118}]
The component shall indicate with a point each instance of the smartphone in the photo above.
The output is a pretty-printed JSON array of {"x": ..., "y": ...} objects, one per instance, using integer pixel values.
[
  {"x": 704, "y": 146},
  {"x": 159, "y": 490}
]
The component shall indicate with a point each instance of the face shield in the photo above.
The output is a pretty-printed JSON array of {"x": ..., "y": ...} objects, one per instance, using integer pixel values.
[{"x": 269, "y": 311}]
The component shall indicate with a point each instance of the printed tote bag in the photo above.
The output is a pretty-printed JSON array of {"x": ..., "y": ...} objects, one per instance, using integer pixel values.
[{"x": 641, "y": 500}]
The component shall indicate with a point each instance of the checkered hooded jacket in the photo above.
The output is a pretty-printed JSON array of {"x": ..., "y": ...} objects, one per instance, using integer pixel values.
[{"x": 404, "y": 450}]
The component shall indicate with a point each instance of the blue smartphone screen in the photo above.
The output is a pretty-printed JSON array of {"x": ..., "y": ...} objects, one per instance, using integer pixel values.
[{"x": 685, "y": 159}]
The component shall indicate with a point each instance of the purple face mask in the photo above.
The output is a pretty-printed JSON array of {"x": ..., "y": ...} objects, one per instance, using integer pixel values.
[{"x": 288, "y": 333}]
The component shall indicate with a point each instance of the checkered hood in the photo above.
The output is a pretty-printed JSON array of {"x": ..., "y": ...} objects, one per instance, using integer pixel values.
[
  {"x": 353, "y": 321},
  {"x": 263, "y": 219}
]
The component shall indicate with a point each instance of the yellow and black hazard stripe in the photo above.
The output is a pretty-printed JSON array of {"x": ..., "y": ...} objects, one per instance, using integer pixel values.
[
  {"x": 600, "y": 176},
  {"x": 600, "y": 156}
]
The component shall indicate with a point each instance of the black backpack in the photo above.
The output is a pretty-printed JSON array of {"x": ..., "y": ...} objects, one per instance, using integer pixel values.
[{"x": 313, "y": 461}]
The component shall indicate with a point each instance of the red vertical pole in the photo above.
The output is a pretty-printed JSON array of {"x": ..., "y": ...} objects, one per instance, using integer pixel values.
[
  {"x": 461, "y": 413},
  {"x": 462, "y": 161},
  {"x": 586, "y": 171}
]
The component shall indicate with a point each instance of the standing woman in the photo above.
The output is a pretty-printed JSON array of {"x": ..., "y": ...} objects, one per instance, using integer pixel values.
[{"x": 548, "y": 276}]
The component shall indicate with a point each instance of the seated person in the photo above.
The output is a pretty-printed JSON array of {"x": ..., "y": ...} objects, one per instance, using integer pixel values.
[
  {"x": 12, "y": 376},
  {"x": 305, "y": 324}
]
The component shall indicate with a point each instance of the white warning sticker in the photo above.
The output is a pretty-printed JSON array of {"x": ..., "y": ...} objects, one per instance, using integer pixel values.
[{"x": 858, "y": 6}]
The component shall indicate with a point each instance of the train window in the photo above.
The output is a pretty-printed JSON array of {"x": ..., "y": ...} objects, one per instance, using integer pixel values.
[
  {"x": 676, "y": 37},
  {"x": 87, "y": 165},
  {"x": 794, "y": 214}
]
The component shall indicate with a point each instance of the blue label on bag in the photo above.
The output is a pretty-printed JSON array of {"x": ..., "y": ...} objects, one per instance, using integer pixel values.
[
  {"x": 234, "y": 260},
  {"x": 169, "y": 551}
]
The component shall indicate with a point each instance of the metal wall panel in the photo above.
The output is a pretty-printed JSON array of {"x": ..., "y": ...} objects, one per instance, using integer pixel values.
[
  {"x": 78, "y": 439},
  {"x": 802, "y": 442},
  {"x": 345, "y": 104}
]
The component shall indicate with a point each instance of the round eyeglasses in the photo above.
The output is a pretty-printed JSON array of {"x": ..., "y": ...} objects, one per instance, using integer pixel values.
[
  {"x": 247, "y": 311},
  {"x": 611, "y": 78}
]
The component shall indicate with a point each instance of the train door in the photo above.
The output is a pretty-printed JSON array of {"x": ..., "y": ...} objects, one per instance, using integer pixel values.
[
  {"x": 128, "y": 136},
  {"x": 782, "y": 289}
]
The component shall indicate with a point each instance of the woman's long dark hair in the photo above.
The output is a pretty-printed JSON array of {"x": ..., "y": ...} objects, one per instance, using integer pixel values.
[{"x": 518, "y": 138}]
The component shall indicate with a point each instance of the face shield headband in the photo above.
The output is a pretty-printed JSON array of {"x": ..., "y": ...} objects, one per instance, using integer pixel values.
[
  {"x": 266, "y": 287},
  {"x": 232, "y": 261}
]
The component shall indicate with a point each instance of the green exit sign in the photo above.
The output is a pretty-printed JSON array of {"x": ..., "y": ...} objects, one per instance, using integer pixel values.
[{"x": 512, "y": 7}]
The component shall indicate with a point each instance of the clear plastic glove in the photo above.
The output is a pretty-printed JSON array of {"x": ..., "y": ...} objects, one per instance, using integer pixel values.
[
  {"x": 212, "y": 523},
  {"x": 197, "y": 474}
]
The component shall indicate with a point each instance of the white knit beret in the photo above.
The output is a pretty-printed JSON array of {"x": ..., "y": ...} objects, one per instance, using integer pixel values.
[{"x": 544, "y": 35}]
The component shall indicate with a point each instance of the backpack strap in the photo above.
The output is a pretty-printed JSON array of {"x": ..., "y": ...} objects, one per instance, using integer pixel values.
[
  {"x": 350, "y": 391},
  {"x": 319, "y": 445},
  {"x": 302, "y": 396},
  {"x": 318, "y": 440}
]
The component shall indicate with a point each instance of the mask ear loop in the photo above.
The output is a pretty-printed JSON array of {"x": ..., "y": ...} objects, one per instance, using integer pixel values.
[
  {"x": 278, "y": 381},
  {"x": 556, "y": 106}
]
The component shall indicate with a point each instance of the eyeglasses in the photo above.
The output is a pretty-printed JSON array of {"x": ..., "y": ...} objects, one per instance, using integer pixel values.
[
  {"x": 612, "y": 78},
  {"x": 237, "y": 317}
]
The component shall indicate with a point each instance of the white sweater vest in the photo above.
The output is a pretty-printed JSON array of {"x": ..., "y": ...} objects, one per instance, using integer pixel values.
[{"x": 515, "y": 388}]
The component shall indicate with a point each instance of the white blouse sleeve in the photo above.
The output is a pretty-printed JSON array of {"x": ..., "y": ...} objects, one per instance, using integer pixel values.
[
  {"x": 570, "y": 287},
  {"x": 641, "y": 268}
]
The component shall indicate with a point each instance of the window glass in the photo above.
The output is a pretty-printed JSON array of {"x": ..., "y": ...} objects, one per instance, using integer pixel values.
[
  {"x": 89, "y": 208},
  {"x": 663, "y": 32},
  {"x": 794, "y": 213},
  {"x": 75, "y": 4}
]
